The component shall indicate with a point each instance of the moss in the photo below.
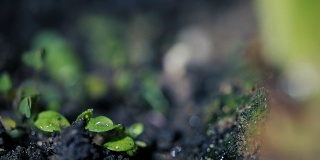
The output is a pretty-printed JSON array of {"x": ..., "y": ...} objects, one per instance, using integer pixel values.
[{"x": 231, "y": 134}]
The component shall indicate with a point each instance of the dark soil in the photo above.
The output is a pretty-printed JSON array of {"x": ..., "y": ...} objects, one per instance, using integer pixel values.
[{"x": 225, "y": 98}]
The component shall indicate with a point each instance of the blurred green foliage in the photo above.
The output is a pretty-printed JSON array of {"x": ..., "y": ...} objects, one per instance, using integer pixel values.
[
  {"x": 290, "y": 30},
  {"x": 5, "y": 82},
  {"x": 96, "y": 86},
  {"x": 61, "y": 62},
  {"x": 152, "y": 93},
  {"x": 123, "y": 81},
  {"x": 50, "y": 94},
  {"x": 34, "y": 59},
  {"x": 51, "y": 55},
  {"x": 135, "y": 130},
  {"x": 25, "y": 106},
  {"x": 107, "y": 40}
]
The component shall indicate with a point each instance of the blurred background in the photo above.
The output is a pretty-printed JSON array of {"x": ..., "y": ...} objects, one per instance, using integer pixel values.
[{"x": 107, "y": 54}]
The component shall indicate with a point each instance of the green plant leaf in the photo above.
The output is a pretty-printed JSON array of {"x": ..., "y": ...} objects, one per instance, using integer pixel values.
[
  {"x": 8, "y": 123},
  {"x": 25, "y": 106},
  {"x": 27, "y": 91},
  {"x": 61, "y": 62},
  {"x": 15, "y": 133},
  {"x": 141, "y": 144},
  {"x": 120, "y": 144},
  {"x": 5, "y": 82},
  {"x": 119, "y": 128},
  {"x": 95, "y": 86},
  {"x": 34, "y": 59},
  {"x": 86, "y": 114},
  {"x": 135, "y": 130},
  {"x": 50, "y": 121},
  {"x": 132, "y": 151},
  {"x": 100, "y": 124}
]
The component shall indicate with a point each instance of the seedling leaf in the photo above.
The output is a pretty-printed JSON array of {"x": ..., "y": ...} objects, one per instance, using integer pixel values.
[
  {"x": 135, "y": 130},
  {"x": 5, "y": 82},
  {"x": 120, "y": 144},
  {"x": 50, "y": 121},
  {"x": 100, "y": 124},
  {"x": 25, "y": 106},
  {"x": 15, "y": 133},
  {"x": 141, "y": 144},
  {"x": 8, "y": 123},
  {"x": 86, "y": 114},
  {"x": 34, "y": 59},
  {"x": 119, "y": 128},
  {"x": 132, "y": 151}
]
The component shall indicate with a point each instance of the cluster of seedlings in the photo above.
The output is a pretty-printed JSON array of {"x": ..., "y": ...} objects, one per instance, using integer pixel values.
[
  {"x": 98, "y": 132},
  {"x": 122, "y": 140}
]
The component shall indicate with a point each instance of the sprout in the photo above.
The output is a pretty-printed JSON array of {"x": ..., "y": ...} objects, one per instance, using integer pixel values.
[
  {"x": 50, "y": 121},
  {"x": 120, "y": 144},
  {"x": 25, "y": 106},
  {"x": 86, "y": 114},
  {"x": 5, "y": 82},
  {"x": 100, "y": 124}
]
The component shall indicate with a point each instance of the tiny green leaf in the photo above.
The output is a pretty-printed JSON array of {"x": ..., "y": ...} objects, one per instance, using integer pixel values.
[
  {"x": 135, "y": 130},
  {"x": 28, "y": 91},
  {"x": 25, "y": 106},
  {"x": 34, "y": 59},
  {"x": 8, "y": 123},
  {"x": 119, "y": 128},
  {"x": 96, "y": 86},
  {"x": 100, "y": 124},
  {"x": 15, "y": 133},
  {"x": 120, "y": 144},
  {"x": 132, "y": 151},
  {"x": 5, "y": 82},
  {"x": 50, "y": 121},
  {"x": 141, "y": 144},
  {"x": 86, "y": 114}
]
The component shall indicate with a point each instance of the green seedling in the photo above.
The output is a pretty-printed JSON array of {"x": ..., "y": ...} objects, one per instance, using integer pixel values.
[
  {"x": 100, "y": 124},
  {"x": 135, "y": 130},
  {"x": 86, "y": 114},
  {"x": 5, "y": 82},
  {"x": 25, "y": 106},
  {"x": 125, "y": 143},
  {"x": 8, "y": 123},
  {"x": 50, "y": 121},
  {"x": 34, "y": 59}
]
